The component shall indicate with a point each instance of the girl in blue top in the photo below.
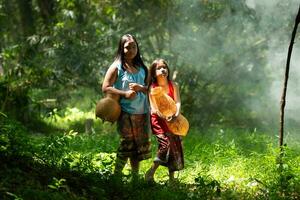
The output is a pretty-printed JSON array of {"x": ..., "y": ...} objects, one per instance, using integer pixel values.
[{"x": 128, "y": 78}]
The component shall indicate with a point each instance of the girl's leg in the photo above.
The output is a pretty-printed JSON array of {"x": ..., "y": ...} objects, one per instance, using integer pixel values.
[
  {"x": 120, "y": 164},
  {"x": 149, "y": 176},
  {"x": 135, "y": 164},
  {"x": 171, "y": 176}
]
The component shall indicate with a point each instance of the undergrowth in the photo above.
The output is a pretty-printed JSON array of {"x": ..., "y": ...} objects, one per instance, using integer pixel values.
[{"x": 219, "y": 164}]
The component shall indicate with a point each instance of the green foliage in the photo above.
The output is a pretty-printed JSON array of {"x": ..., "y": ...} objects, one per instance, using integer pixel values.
[
  {"x": 68, "y": 46},
  {"x": 57, "y": 184},
  {"x": 219, "y": 163},
  {"x": 3, "y": 115},
  {"x": 13, "y": 138},
  {"x": 53, "y": 149},
  {"x": 14, "y": 99},
  {"x": 206, "y": 188},
  {"x": 14, "y": 196}
]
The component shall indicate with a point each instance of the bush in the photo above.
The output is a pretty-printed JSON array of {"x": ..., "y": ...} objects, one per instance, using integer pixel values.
[{"x": 13, "y": 138}]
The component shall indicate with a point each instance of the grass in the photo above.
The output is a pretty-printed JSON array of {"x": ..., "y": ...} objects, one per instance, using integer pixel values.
[{"x": 219, "y": 164}]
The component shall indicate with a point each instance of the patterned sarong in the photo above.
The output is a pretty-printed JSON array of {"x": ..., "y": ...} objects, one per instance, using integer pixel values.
[
  {"x": 134, "y": 136},
  {"x": 170, "y": 152}
]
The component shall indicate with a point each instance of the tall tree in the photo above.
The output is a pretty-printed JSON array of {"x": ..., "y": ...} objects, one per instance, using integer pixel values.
[
  {"x": 47, "y": 10},
  {"x": 286, "y": 77},
  {"x": 26, "y": 17}
]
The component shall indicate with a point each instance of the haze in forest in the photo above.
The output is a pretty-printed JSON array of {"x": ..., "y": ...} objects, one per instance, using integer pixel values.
[{"x": 272, "y": 34}]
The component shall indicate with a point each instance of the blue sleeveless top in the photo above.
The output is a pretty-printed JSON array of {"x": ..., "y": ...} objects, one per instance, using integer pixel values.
[{"x": 139, "y": 104}]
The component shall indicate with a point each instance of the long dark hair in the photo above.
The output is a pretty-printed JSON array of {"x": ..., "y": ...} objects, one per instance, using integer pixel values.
[
  {"x": 153, "y": 68},
  {"x": 137, "y": 60}
]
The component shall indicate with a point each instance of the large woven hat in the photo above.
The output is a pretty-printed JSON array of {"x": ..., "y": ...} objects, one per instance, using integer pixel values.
[{"x": 179, "y": 126}]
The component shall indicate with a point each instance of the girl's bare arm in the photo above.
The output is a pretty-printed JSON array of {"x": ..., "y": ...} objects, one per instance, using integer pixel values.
[{"x": 177, "y": 98}]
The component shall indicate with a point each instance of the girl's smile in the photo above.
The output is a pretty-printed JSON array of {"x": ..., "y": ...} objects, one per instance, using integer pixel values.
[{"x": 161, "y": 70}]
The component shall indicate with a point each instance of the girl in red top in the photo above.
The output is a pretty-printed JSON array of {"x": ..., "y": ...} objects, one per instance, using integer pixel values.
[{"x": 169, "y": 152}]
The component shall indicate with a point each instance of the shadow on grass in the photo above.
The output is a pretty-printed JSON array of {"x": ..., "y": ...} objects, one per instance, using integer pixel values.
[{"x": 24, "y": 178}]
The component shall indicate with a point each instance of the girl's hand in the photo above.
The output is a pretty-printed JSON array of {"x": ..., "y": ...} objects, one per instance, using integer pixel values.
[
  {"x": 160, "y": 114},
  {"x": 171, "y": 118},
  {"x": 130, "y": 94},
  {"x": 135, "y": 87}
]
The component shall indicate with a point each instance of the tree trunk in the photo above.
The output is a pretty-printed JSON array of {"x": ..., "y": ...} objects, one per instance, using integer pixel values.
[
  {"x": 27, "y": 19},
  {"x": 9, "y": 26},
  {"x": 287, "y": 69},
  {"x": 47, "y": 10}
]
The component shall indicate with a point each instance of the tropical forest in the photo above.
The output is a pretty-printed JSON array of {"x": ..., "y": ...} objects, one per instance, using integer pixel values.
[{"x": 235, "y": 64}]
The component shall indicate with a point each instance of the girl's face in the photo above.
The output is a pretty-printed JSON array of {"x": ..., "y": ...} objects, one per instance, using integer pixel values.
[
  {"x": 130, "y": 49},
  {"x": 161, "y": 69}
]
